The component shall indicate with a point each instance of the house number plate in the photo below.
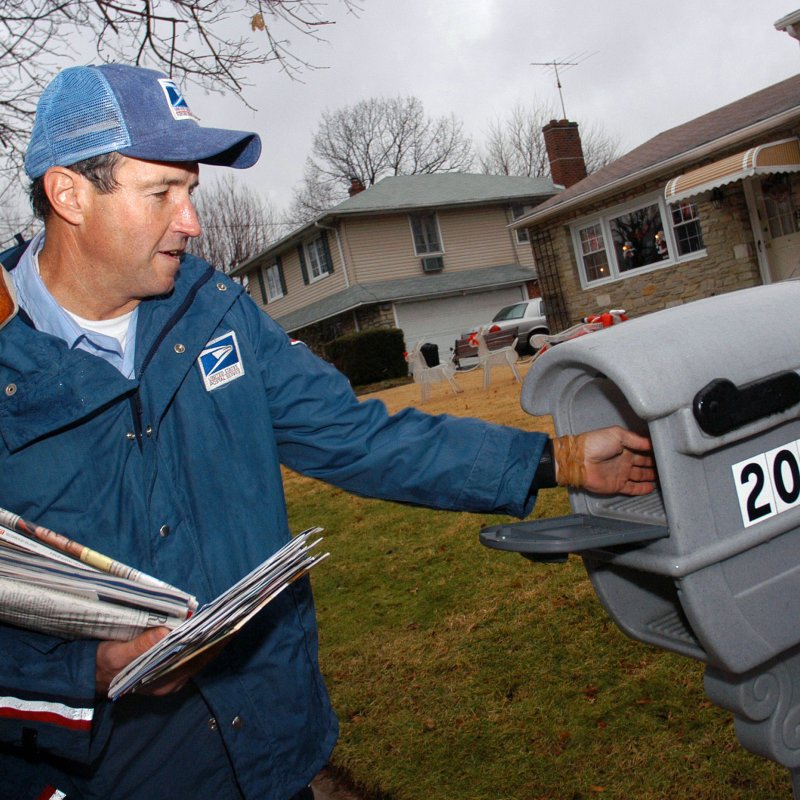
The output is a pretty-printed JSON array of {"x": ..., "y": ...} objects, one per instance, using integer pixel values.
[{"x": 769, "y": 483}]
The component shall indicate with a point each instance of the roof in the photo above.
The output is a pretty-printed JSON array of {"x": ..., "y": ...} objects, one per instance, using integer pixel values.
[
  {"x": 402, "y": 193},
  {"x": 672, "y": 149},
  {"x": 422, "y": 286}
]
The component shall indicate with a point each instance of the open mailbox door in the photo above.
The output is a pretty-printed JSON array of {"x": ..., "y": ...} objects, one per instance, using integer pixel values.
[{"x": 709, "y": 564}]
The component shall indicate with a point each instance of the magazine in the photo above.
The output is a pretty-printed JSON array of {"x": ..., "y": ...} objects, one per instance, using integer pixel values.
[
  {"x": 54, "y": 585},
  {"x": 222, "y": 617}
]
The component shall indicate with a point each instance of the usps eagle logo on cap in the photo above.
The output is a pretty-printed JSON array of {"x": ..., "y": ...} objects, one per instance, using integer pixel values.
[
  {"x": 178, "y": 106},
  {"x": 220, "y": 361}
]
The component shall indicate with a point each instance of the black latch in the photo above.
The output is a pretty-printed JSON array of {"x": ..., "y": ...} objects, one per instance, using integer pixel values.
[{"x": 721, "y": 406}]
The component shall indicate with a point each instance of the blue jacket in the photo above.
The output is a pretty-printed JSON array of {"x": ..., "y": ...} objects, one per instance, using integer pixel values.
[{"x": 184, "y": 482}]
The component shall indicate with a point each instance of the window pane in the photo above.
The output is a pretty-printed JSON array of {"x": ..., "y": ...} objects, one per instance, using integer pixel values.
[
  {"x": 511, "y": 312},
  {"x": 686, "y": 227},
  {"x": 426, "y": 234},
  {"x": 274, "y": 283},
  {"x": 316, "y": 258},
  {"x": 596, "y": 266},
  {"x": 778, "y": 202},
  {"x": 593, "y": 252},
  {"x": 634, "y": 236}
]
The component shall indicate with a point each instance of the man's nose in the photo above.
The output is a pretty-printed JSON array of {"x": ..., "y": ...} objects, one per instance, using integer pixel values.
[{"x": 186, "y": 220}]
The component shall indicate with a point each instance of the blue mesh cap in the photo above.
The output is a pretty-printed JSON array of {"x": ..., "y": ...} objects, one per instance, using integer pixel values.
[{"x": 87, "y": 111}]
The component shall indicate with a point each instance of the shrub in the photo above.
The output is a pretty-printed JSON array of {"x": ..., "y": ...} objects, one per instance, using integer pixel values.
[{"x": 369, "y": 356}]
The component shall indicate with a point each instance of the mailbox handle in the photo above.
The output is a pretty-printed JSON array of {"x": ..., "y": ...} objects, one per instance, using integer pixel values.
[{"x": 721, "y": 406}]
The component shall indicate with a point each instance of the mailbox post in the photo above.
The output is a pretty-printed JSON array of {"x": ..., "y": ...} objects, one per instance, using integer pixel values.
[{"x": 708, "y": 565}]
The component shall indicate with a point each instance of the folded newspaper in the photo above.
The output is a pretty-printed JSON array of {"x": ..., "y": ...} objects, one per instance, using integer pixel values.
[{"x": 52, "y": 584}]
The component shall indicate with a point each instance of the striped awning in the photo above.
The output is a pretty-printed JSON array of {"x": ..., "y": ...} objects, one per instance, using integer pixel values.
[{"x": 782, "y": 156}]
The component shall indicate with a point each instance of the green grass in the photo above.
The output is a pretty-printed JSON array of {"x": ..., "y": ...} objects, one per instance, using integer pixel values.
[{"x": 462, "y": 672}]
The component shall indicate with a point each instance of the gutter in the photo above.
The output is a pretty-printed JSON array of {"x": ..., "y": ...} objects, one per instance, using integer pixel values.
[{"x": 647, "y": 172}]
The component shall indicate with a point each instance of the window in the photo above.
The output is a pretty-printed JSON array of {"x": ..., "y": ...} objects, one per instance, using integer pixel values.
[
  {"x": 275, "y": 288},
  {"x": 778, "y": 203},
  {"x": 425, "y": 230},
  {"x": 635, "y": 239},
  {"x": 315, "y": 254},
  {"x": 634, "y": 236},
  {"x": 315, "y": 259},
  {"x": 517, "y": 212},
  {"x": 593, "y": 251},
  {"x": 271, "y": 283},
  {"x": 686, "y": 226}
]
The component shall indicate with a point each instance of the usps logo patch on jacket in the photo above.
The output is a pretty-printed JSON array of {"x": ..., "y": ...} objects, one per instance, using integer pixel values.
[{"x": 220, "y": 361}]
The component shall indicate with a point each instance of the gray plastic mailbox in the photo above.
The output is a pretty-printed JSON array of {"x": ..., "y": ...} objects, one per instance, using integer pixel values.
[{"x": 709, "y": 564}]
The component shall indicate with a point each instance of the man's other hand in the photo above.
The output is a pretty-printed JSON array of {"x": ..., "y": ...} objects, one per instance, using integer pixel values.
[{"x": 606, "y": 461}]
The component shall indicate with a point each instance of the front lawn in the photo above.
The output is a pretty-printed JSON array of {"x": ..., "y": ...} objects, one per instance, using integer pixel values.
[{"x": 461, "y": 673}]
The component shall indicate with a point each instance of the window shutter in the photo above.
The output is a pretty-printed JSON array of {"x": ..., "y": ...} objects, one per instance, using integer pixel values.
[
  {"x": 326, "y": 251},
  {"x": 303, "y": 269},
  {"x": 280, "y": 274},
  {"x": 262, "y": 286}
]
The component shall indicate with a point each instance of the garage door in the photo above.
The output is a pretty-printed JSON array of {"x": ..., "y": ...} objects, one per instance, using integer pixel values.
[{"x": 443, "y": 320}]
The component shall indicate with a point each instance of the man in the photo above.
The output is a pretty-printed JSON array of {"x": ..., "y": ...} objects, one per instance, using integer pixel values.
[{"x": 112, "y": 431}]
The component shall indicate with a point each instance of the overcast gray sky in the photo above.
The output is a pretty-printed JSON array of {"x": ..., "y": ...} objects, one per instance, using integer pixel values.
[{"x": 644, "y": 66}]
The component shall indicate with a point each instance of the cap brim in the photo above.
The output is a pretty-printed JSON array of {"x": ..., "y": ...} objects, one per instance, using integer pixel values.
[{"x": 218, "y": 146}]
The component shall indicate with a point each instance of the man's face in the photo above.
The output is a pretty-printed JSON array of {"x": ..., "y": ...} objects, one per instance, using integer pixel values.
[{"x": 135, "y": 235}]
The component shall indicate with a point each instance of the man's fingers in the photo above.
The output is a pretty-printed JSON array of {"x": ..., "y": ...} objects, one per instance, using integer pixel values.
[
  {"x": 634, "y": 441},
  {"x": 144, "y": 641}
]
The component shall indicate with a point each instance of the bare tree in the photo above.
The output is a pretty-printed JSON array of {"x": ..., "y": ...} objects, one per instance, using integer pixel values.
[
  {"x": 373, "y": 139},
  {"x": 515, "y": 145},
  {"x": 237, "y": 223},
  {"x": 210, "y": 43}
]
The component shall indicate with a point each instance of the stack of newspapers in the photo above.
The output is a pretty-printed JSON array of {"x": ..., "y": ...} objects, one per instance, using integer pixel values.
[{"x": 54, "y": 585}]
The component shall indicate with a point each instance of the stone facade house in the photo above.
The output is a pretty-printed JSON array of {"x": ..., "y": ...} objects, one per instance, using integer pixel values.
[
  {"x": 706, "y": 207},
  {"x": 432, "y": 255}
]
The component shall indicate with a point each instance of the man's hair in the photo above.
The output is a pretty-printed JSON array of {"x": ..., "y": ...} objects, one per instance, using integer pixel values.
[{"x": 100, "y": 171}]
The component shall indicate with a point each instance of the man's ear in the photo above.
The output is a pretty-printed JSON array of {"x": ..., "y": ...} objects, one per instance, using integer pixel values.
[{"x": 67, "y": 193}]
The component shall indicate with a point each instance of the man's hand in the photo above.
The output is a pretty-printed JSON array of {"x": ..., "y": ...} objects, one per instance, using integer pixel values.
[
  {"x": 605, "y": 461},
  {"x": 112, "y": 657}
]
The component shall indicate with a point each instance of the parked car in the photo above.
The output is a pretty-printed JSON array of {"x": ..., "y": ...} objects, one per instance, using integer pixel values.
[{"x": 527, "y": 316}]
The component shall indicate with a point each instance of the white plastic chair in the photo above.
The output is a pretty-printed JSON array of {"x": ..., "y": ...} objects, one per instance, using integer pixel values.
[
  {"x": 425, "y": 375},
  {"x": 487, "y": 358}
]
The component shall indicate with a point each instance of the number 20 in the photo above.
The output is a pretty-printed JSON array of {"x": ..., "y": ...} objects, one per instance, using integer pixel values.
[{"x": 768, "y": 484}]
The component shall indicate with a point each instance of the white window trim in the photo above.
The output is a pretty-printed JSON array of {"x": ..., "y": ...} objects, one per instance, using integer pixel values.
[
  {"x": 270, "y": 297},
  {"x": 309, "y": 269},
  {"x": 603, "y": 220},
  {"x": 440, "y": 251}
]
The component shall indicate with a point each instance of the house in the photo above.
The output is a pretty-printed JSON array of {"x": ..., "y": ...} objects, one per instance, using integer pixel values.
[
  {"x": 706, "y": 207},
  {"x": 430, "y": 254}
]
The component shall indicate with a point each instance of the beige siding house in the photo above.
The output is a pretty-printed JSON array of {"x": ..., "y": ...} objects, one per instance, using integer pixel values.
[
  {"x": 707, "y": 207},
  {"x": 431, "y": 254}
]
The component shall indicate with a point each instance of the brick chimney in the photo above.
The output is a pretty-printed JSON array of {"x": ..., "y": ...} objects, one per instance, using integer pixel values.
[
  {"x": 563, "y": 143},
  {"x": 356, "y": 186}
]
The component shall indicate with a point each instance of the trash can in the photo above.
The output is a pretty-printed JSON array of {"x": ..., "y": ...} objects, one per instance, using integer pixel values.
[
  {"x": 709, "y": 564},
  {"x": 430, "y": 352}
]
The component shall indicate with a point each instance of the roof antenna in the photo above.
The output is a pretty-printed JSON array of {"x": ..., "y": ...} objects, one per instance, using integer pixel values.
[{"x": 555, "y": 64}]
